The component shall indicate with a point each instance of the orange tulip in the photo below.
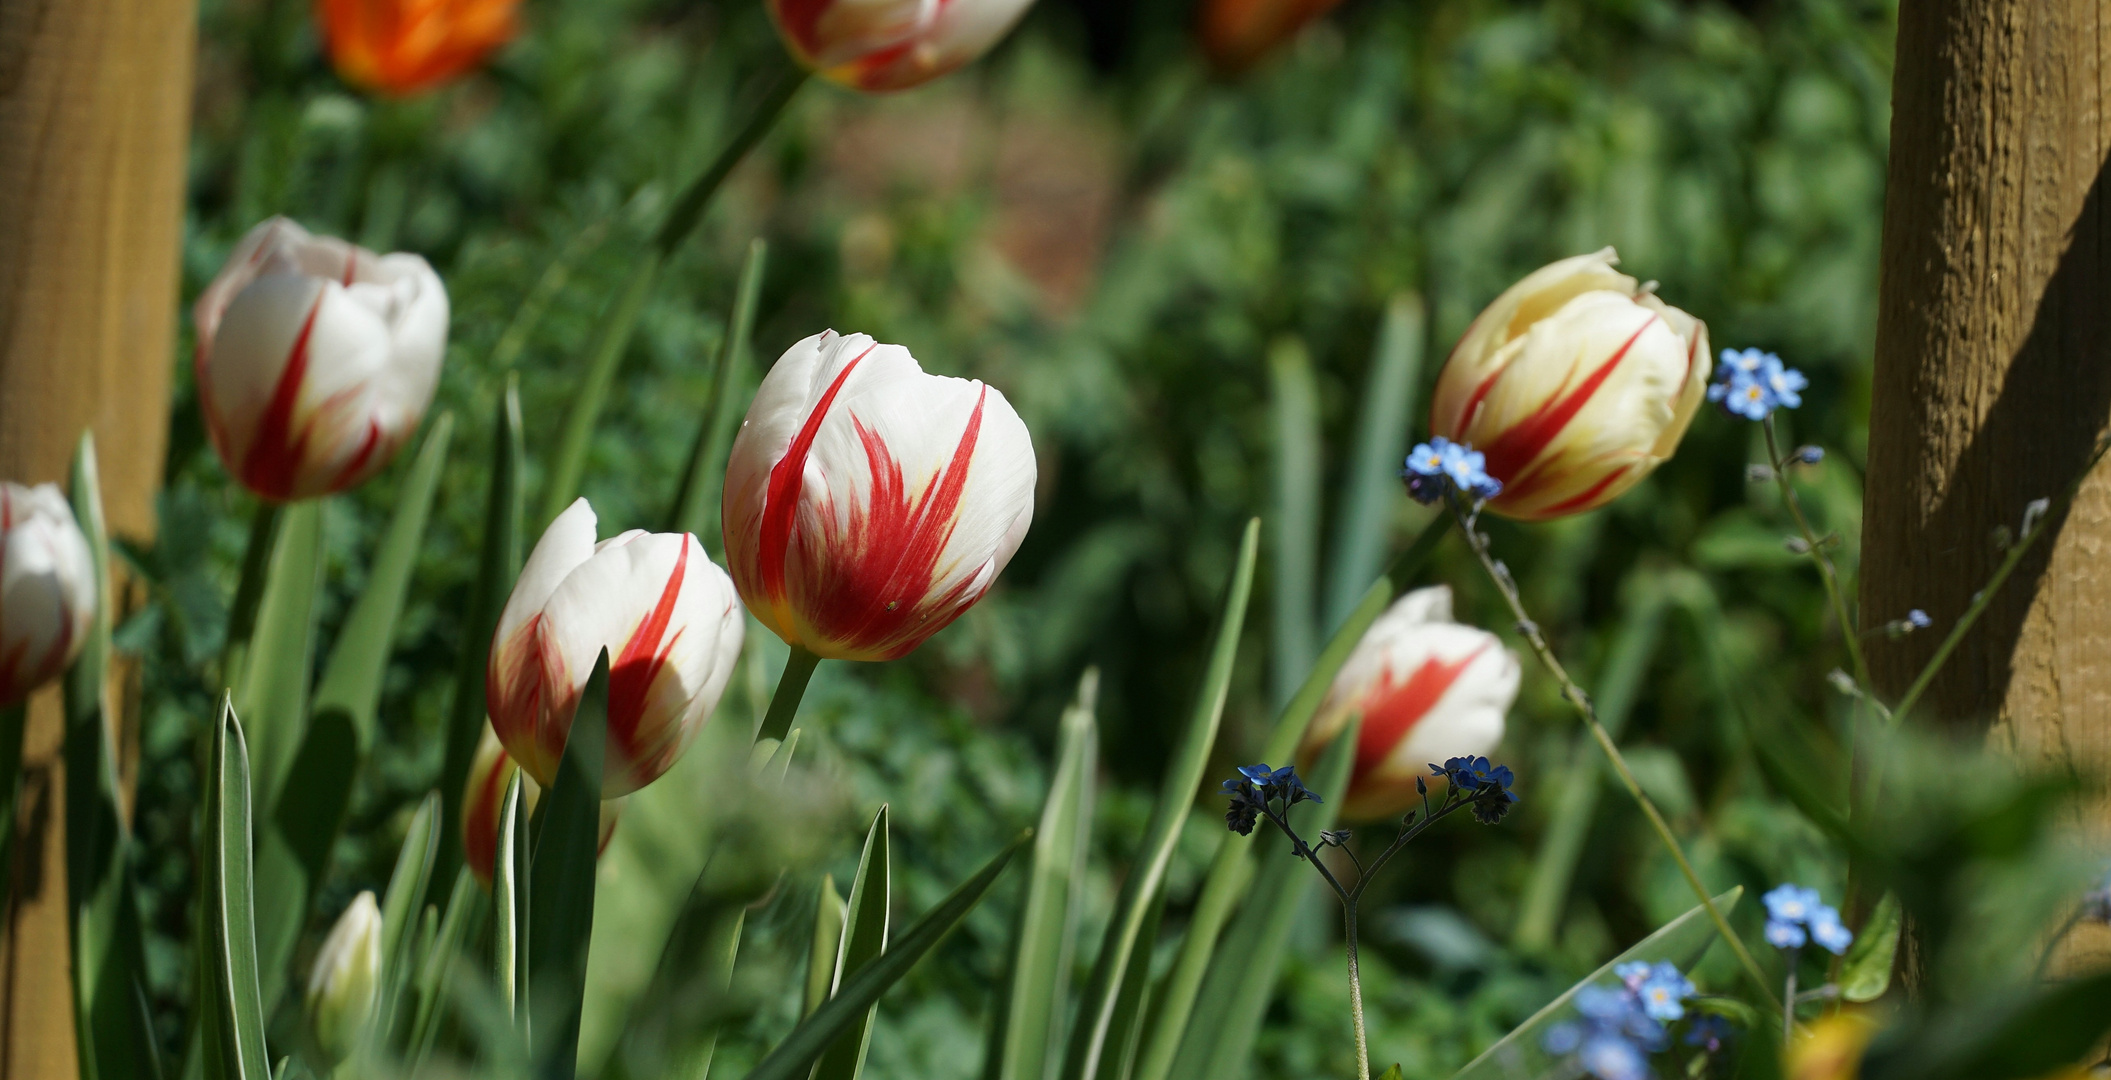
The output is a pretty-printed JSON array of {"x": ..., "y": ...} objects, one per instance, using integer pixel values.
[
  {"x": 1236, "y": 33},
  {"x": 404, "y": 47}
]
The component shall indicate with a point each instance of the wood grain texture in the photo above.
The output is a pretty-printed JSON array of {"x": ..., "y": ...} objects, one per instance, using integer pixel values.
[
  {"x": 94, "y": 120},
  {"x": 1993, "y": 371}
]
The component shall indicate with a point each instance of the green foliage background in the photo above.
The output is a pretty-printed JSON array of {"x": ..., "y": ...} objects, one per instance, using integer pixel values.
[{"x": 1092, "y": 223}]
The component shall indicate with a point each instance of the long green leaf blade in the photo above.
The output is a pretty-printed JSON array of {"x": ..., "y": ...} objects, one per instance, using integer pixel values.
[
  {"x": 1371, "y": 480},
  {"x": 498, "y": 564},
  {"x": 273, "y": 692},
  {"x": 400, "y": 904},
  {"x": 1048, "y": 919},
  {"x": 352, "y": 676},
  {"x": 1229, "y": 874},
  {"x": 1235, "y": 993},
  {"x": 509, "y": 898},
  {"x": 591, "y": 392},
  {"x": 811, "y": 1037},
  {"x": 864, "y": 941},
  {"x": 693, "y": 495},
  {"x": 436, "y": 973},
  {"x": 294, "y": 843},
  {"x": 561, "y": 882},
  {"x": 238, "y": 1010},
  {"x": 1296, "y": 518},
  {"x": 828, "y": 941},
  {"x": 108, "y": 948},
  {"x": 1176, "y": 797},
  {"x": 1680, "y": 941},
  {"x": 1133, "y": 1002}
]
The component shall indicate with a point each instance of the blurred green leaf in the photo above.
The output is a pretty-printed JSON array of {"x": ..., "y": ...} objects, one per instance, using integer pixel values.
[
  {"x": 864, "y": 940},
  {"x": 295, "y": 843},
  {"x": 436, "y": 972},
  {"x": 2004, "y": 1035},
  {"x": 1866, "y": 973},
  {"x": 1371, "y": 476},
  {"x": 230, "y": 910},
  {"x": 408, "y": 883},
  {"x": 561, "y": 881},
  {"x": 1218, "y": 1043},
  {"x": 102, "y": 906},
  {"x": 509, "y": 897},
  {"x": 1039, "y": 995},
  {"x": 590, "y": 390},
  {"x": 827, "y": 942},
  {"x": 273, "y": 691},
  {"x": 352, "y": 676},
  {"x": 1133, "y": 1003},
  {"x": 498, "y": 563},
  {"x": 1295, "y": 516},
  {"x": 812, "y": 1036},
  {"x": 1392, "y": 1073},
  {"x": 1086, "y": 1058},
  {"x": 1680, "y": 941},
  {"x": 695, "y": 493}
]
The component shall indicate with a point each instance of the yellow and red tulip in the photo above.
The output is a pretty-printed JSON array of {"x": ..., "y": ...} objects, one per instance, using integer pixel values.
[
  {"x": 1575, "y": 383},
  {"x": 316, "y": 359},
  {"x": 47, "y": 588},
  {"x": 1428, "y": 689},
  {"x": 402, "y": 47},
  {"x": 868, "y": 504},
  {"x": 669, "y": 619},
  {"x": 880, "y": 45}
]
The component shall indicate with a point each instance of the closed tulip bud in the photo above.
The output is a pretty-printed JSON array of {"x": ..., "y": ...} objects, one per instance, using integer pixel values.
[
  {"x": 666, "y": 614},
  {"x": 345, "y": 982},
  {"x": 47, "y": 588},
  {"x": 1575, "y": 383},
  {"x": 483, "y": 800},
  {"x": 1236, "y": 33},
  {"x": 878, "y": 45},
  {"x": 403, "y": 47},
  {"x": 316, "y": 359},
  {"x": 1428, "y": 689},
  {"x": 868, "y": 504}
]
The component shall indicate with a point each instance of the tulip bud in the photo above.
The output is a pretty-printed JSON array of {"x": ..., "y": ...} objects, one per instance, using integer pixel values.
[
  {"x": 316, "y": 359},
  {"x": 483, "y": 800},
  {"x": 879, "y": 45},
  {"x": 345, "y": 982},
  {"x": 669, "y": 619},
  {"x": 1428, "y": 689},
  {"x": 1236, "y": 33},
  {"x": 868, "y": 504},
  {"x": 406, "y": 46},
  {"x": 1575, "y": 383},
  {"x": 47, "y": 588}
]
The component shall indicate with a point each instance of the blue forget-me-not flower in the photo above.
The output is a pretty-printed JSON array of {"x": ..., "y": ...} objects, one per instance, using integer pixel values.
[
  {"x": 1440, "y": 465},
  {"x": 1796, "y": 915},
  {"x": 1617, "y": 1028},
  {"x": 1752, "y": 384}
]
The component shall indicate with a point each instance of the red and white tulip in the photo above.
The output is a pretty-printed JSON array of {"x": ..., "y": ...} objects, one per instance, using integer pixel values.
[
  {"x": 483, "y": 799},
  {"x": 316, "y": 359},
  {"x": 47, "y": 588},
  {"x": 879, "y": 45},
  {"x": 1576, "y": 383},
  {"x": 868, "y": 504},
  {"x": 669, "y": 619},
  {"x": 1427, "y": 688}
]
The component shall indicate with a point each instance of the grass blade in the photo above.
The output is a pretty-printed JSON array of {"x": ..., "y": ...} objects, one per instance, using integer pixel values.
[
  {"x": 1296, "y": 519},
  {"x": 1218, "y": 1044},
  {"x": 561, "y": 484},
  {"x": 400, "y": 904},
  {"x": 561, "y": 882},
  {"x": 103, "y": 914},
  {"x": 1681, "y": 941},
  {"x": 1371, "y": 481},
  {"x": 1176, "y": 797},
  {"x": 230, "y": 911},
  {"x": 1048, "y": 919},
  {"x": 693, "y": 495},
  {"x": 273, "y": 691},
  {"x": 1229, "y": 874},
  {"x": 1133, "y": 1002},
  {"x": 436, "y": 974},
  {"x": 828, "y": 940},
  {"x": 812, "y": 1036},
  {"x": 295, "y": 842},
  {"x": 351, "y": 678},
  {"x": 864, "y": 941},
  {"x": 498, "y": 564}
]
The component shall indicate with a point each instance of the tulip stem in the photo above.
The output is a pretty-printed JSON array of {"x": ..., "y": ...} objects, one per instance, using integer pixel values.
[
  {"x": 13, "y": 725},
  {"x": 1814, "y": 546},
  {"x": 689, "y": 206},
  {"x": 249, "y": 592},
  {"x": 1581, "y": 701},
  {"x": 784, "y": 705}
]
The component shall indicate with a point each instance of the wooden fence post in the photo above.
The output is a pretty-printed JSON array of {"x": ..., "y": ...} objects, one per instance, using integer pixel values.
[
  {"x": 1993, "y": 371},
  {"x": 95, "y": 99}
]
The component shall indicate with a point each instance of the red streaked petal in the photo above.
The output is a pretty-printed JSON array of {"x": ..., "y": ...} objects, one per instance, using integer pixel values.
[
  {"x": 1520, "y": 444},
  {"x": 632, "y": 673},
  {"x": 781, "y": 502},
  {"x": 272, "y": 463},
  {"x": 1393, "y": 709}
]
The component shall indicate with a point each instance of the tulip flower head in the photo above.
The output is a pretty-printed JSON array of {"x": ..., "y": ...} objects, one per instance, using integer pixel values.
[
  {"x": 483, "y": 799},
  {"x": 669, "y": 619},
  {"x": 47, "y": 588},
  {"x": 1428, "y": 689},
  {"x": 1575, "y": 383},
  {"x": 1236, "y": 33},
  {"x": 316, "y": 359},
  {"x": 345, "y": 982},
  {"x": 868, "y": 504},
  {"x": 402, "y": 47},
  {"x": 881, "y": 45}
]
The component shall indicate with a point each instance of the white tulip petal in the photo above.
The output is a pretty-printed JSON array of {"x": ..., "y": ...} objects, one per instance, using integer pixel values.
[{"x": 47, "y": 588}]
